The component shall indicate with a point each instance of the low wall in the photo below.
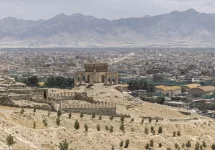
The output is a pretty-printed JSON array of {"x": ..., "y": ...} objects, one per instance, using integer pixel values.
[{"x": 98, "y": 108}]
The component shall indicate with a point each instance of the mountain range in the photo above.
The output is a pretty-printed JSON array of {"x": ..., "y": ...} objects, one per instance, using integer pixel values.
[{"x": 176, "y": 29}]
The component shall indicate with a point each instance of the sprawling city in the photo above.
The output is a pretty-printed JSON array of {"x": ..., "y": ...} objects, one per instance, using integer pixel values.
[{"x": 137, "y": 76}]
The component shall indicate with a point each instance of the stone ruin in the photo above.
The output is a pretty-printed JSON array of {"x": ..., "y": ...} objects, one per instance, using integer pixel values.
[{"x": 96, "y": 73}]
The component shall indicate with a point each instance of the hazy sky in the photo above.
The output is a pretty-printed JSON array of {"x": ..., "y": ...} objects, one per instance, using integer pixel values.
[{"x": 109, "y": 9}]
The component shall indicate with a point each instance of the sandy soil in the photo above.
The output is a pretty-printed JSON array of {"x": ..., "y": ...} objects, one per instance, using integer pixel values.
[{"x": 48, "y": 138}]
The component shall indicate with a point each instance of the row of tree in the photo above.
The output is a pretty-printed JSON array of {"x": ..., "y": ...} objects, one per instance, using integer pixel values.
[{"x": 141, "y": 85}]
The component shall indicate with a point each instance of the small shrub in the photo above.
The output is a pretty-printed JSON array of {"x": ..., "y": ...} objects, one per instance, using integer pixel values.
[
  {"x": 93, "y": 116},
  {"x": 126, "y": 143},
  {"x": 70, "y": 115},
  {"x": 213, "y": 146},
  {"x": 188, "y": 144},
  {"x": 160, "y": 130},
  {"x": 45, "y": 123},
  {"x": 122, "y": 128},
  {"x": 152, "y": 129},
  {"x": 146, "y": 130},
  {"x": 59, "y": 113},
  {"x": 204, "y": 144},
  {"x": 111, "y": 117},
  {"x": 160, "y": 145},
  {"x": 48, "y": 113},
  {"x": 106, "y": 128},
  {"x": 142, "y": 121},
  {"x": 174, "y": 134},
  {"x": 121, "y": 144},
  {"x": 176, "y": 145},
  {"x": 100, "y": 117},
  {"x": 34, "y": 110},
  {"x": 122, "y": 119},
  {"x": 147, "y": 146},
  {"x": 22, "y": 111},
  {"x": 76, "y": 125},
  {"x": 98, "y": 127},
  {"x": 58, "y": 121},
  {"x": 150, "y": 120},
  {"x": 34, "y": 125},
  {"x": 86, "y": 127},
  {"x": 81, "y": 115},
  {"x": 64, "y": 145},
  {"x": 151, "y": 143},
  {"x": 132, "y": 119},
  {"x": 111, "y": 129},
  {"x": 10, "y": 141},
  {"x": 178, "y": 133}
]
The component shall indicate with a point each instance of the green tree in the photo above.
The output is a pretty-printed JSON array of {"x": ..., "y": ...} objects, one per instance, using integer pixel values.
[
  {"x": 70, "y": 115},
  {"x": 22, "y": 111},
  {"x": 86, "y": 127},
  {"x": 151, "y": 143},
  {"x": 45, "y": 122},
  {"x": 160, "y": 130},
  {"x": 98, "y": 127},
  {"x": 64, "y": 145},
  {"x": 126, "y": 143},
  {"x": 100, "y": 117},
  {"x": 168, "y": 149},
  {"x": 10, "y": 141},
  {"x": 132, "y": 119},
  {"x": 76, "y": 125},
  {"x": 58, "y": 121},
  {"x": 32, "y": 81}
]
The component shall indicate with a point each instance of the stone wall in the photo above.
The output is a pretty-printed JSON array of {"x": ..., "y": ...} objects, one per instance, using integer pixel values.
[{"x": 97, "y": 108}]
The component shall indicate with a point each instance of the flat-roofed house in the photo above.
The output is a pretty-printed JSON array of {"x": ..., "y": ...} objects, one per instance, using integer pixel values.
[
  {"x": 187, "y": 87},
  {"x": 168, "y": 90},
  {"x": 202, "y": 91}
]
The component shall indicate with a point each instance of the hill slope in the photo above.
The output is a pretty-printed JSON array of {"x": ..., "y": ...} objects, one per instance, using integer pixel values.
[{"x": 48, "y": 138}]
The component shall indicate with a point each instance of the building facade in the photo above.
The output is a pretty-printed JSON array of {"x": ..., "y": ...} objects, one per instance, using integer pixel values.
[{"x": 96, "y": 73}]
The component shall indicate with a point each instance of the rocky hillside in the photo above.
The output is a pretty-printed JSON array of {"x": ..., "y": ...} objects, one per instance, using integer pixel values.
[
  {"x": 192, "y": 127},
  {"x": 188, "y": 29}
]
